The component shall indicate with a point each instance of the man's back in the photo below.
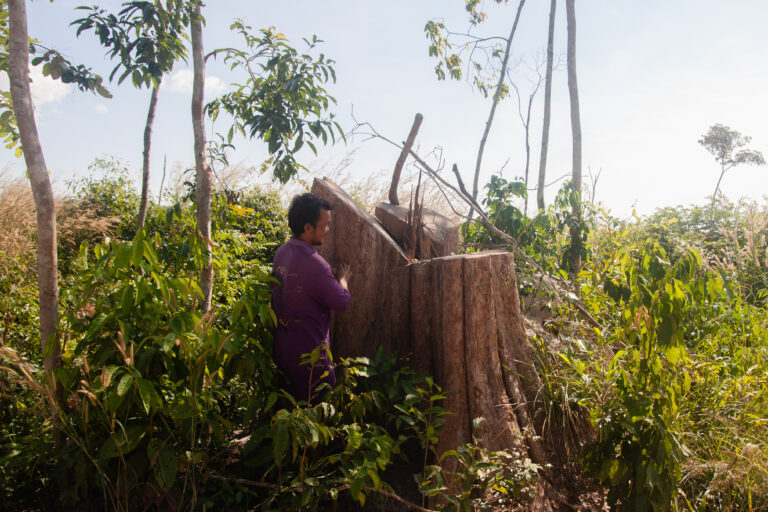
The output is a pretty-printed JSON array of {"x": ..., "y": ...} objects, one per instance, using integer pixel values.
[{"x": 302, "y": 304}]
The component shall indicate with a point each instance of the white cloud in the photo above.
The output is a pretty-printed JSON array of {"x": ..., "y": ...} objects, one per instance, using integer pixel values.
[
  {"x": 100, "y": 108},
  {"x": 181, "y": 82},
  {"x": 44, "y": 89}
]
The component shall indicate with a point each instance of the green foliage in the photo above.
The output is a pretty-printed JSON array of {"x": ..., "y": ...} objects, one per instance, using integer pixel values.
[
  {"x": 147, "y": 37},
  {"x": 58, "y": 67},
  {"x": 683, "y": 339},
  {"x": 343, "y": 445},
  {"x": 55, "y": 66},
  {"x": 544, "y": 237},
  {"x": 639, "y": 453},
  {"x": 154, "y": 372},
  {"x": 483, "y": 479},
  {"x": 481, "y": 53},
  {"x": 673, "y": 382},
  {"x": 725, "y": 145},
  {"x": 283, "y": 101}
]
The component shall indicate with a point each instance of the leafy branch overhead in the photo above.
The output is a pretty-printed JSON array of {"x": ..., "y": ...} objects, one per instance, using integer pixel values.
[
  {"x": 147, "y": 37},
  {"x": 456, "y": 49},
  {"x": 283, "y": 100},
  {"x": 55, "y": 65}
]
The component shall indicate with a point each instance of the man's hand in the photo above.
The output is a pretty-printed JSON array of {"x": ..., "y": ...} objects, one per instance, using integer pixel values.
[{"x": 344, "y": 273}]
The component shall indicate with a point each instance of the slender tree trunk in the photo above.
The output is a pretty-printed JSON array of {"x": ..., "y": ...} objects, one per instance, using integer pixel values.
[
  {"x": 527, "y": 124},
  {"x": 147, "y": 144},
  {"x": 576, "y": 131},
  {"x": 203, "y": 170},
  {"x": 48, "y": 289},
  {"x": 496, "y": 96},
  {"x": 717, "y": 187},
  {"x": 547, "y": 107}
]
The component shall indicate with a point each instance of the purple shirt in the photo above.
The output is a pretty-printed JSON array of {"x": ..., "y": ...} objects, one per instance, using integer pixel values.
[{"x": 302, "y": 305}]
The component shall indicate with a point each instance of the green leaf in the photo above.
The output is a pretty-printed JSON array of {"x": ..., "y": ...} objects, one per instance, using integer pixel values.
[
  {"x": 96, "y": 324},
  {"x": 164, "y": 461},
  {"x": 125, "y": 384},
  {"x": 355, "y": 489},
  {"x": 121, "y": 442},
  {"x": 149, "y": 397},
  {"x": 280, "y": 440}
]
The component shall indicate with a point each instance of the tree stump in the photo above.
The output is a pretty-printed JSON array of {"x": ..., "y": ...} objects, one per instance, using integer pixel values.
[
  {"x": 458, "y": 317},
  {"x": 441, "y": 235}
]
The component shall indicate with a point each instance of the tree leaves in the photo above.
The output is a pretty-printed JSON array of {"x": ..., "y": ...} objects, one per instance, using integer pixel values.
[{"x": 283, "y": 102}]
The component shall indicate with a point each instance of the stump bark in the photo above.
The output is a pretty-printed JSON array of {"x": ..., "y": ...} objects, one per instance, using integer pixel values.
[
  {"x": 440, "y": 234},
  {"x": 458, "y": 317}
]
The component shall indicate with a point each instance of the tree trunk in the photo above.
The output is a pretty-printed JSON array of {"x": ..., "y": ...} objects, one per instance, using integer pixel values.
[
  {"x": 527, "y": 124},
  {"x": 48, "y": 290},
  {"x": 547, "y": 107},
  {"x": 147, "y": 144},
  {"x": 202, "y": 168},
  {"x": 576, "y": 131},
  {"x": 458, "y": 317},
  {"x": 717, "y": 187},
  {"x": 496, "y": 97}
]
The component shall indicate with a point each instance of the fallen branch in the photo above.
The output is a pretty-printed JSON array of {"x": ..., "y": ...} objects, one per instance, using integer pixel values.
[{"x": 300, "y": 488}]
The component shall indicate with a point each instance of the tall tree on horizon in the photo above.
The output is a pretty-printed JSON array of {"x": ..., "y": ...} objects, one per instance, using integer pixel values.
[
  {"x": 547, "y": 107},
  {"x": 726, "y": 146},
  {"x": 576, "y": 224}
]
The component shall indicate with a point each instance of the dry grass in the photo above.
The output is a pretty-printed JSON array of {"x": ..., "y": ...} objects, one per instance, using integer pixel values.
[
  {"x": 18, "y": 223},
  {"x": 17, "y": 219}
]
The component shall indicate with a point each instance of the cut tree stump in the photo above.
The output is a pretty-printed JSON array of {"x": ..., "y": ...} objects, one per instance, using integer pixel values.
[
  {"x": 441, "y": 235},
  {"x": 457, "y": 317}
]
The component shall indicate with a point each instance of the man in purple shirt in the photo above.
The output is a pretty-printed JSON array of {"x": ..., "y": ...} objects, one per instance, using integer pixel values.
[{"x": 303, "y": 301}]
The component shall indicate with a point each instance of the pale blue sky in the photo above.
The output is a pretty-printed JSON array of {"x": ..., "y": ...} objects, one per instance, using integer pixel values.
[{"x": 653, "y": 76}]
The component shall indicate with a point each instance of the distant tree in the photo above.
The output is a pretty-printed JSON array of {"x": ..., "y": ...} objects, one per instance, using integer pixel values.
[
  {"x": 725, "y": 144},
  {"x": 148, "y": 39},
  {"x": 547, "y": 107},
  {"x": 202, "y": 167},
  {"x": 576, "y": 226}
]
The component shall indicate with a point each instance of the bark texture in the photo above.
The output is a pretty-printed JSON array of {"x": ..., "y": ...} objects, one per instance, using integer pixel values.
[
  {"x": 457, "y": 316},
  {"x": 547, "y": 107},
  {"x": 573, "y": 91},
  {"x": 48, "y": 290},
  {"x": 202, "y": 168},
  {"x": 440, "y": 234},
  {"x": 145, "y": 156}
]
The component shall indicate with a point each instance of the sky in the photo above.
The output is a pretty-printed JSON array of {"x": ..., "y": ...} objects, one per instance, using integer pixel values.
[{"x": 653, "y": 76}]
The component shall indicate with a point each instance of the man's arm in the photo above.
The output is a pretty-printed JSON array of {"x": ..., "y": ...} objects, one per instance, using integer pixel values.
[{"x": 331, "y": 293}]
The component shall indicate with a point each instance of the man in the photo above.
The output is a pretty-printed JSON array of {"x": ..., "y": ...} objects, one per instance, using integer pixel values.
[{"x": 303, "y": 301}]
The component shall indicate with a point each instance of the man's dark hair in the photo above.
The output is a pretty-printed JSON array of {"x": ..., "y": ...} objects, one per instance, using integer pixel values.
[{"x": 305, "y": 208}]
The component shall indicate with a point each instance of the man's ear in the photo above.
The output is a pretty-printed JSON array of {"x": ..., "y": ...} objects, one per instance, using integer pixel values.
[{"x": 308, "y": 227}]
